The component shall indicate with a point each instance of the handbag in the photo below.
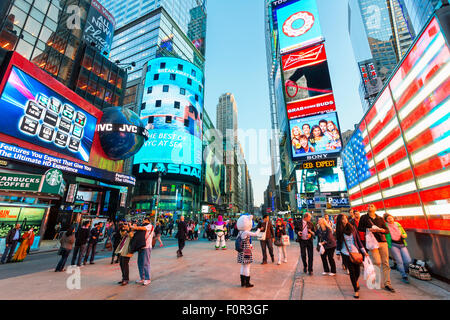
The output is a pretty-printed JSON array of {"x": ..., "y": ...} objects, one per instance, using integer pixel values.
[
  {"x": 278, "y": 242},
  {"x": 262, "y": 237},
  {"x": 355, "y": 257},
  {"x": 285, "y": 240}
]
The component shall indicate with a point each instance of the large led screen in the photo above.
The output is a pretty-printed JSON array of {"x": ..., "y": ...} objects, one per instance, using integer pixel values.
[
  {"x": 298, "y": 25},
  {"x": 321, "y": 180},
  {"x": 398, "y": 158},
  {"x": 307, "y": 82},
  {"x": 35, "y": 113},
  {"x": 315, "y": 135},
  {"x": 213, "y": 177},
  {"x": 172, "y": 107}
]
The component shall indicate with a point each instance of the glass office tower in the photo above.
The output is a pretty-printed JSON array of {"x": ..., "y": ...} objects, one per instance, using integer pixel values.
[
  {"x": 154, "y": 29},
  {"x": 420, "y": 11}
]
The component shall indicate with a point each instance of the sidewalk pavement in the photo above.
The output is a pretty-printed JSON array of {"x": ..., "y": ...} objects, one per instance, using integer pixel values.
[{"x": 204, "y": 273}]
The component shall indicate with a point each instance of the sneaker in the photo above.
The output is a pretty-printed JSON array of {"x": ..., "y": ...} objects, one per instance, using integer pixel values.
[
  {"x": 389, "y": 288},
  {"x": 279, "y": 262},
  {"x": 310, "y": 273},
  {"x": 285, "y": 261},
  {"x": 405, "y": 280},
  {"x": 146, "y": 282},
  {"x": 324, "y": 273},
  {"x": 139, "y": 281},
  {"x": 332, "y": 274}
]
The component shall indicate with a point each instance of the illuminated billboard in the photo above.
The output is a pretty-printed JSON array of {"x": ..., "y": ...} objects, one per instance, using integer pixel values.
[
  {"x": 171, "y": 109},
  {"x": 33, "y": 112},
  {"x": 315, "y": 137},
  {"x": 46, "y": 124},
  {"x": 307, "y": 80},
  {"x": 99, "y": 29},
  {"x": 322, "y": 180},
  {"x": 398, "y": 158},
  {"x": 298, "y": 25}
]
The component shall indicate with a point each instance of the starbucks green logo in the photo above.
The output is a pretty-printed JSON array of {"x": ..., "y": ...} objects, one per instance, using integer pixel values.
[{"x": 53, "y": 177}]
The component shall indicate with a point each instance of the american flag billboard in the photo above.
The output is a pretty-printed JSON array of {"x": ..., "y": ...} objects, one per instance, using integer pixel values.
[{"x": 398, "y": 157}]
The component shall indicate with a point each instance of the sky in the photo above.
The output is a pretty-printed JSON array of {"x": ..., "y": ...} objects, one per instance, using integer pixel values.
[{"x": 236, "y": 63}]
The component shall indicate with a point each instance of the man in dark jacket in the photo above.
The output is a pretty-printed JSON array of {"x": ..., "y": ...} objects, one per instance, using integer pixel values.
[
  {"x": 267, "y": 227},
  {"x": 12, "y": 238},
  {"x": 181, "y": 235},
  {"x": 380, "y": 256},
  {"x": 81, "y": 239},
  {"x": 305, "y": 232},
  {"x": 95, "y": 234}
]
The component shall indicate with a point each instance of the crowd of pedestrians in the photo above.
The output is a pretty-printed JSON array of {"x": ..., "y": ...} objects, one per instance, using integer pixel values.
[{"x": 355, "y": 239}]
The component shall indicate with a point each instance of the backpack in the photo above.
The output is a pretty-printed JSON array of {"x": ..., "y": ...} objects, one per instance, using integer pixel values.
[{"x": 238, "y": 245}]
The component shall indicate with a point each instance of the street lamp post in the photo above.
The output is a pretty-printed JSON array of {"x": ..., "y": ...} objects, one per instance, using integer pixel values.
[{"x": 158, "y": 196}]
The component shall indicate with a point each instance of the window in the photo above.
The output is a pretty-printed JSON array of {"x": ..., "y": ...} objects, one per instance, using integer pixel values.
[
  {"x": 189, "y": 81},
  {"x": 177, "y": 105},
  {"x": 168, "y": 119},
  {"x": 165, "y": 88},
  {"x": 156, "y": 77},
  {"x": 158, "y": 104},
  {"x": 196, "y": 97},
  {"x": 193, "y": 73},
  {"x": 173, "y": 76},
  {"x": 162, "y": 65},
  {"x": 180, "y": 67},
  {"x": 151, "y": 119},
  {"x": 143, "y": 105},
  {"x": 183, "y": 91}
]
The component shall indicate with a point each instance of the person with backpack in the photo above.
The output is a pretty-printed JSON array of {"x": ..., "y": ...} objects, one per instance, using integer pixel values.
[
  {"x": 81, "y": 239},
  {"x": 244, "y": 248},
  {"x": 280, "y": 231},
  {"x": 144, "y": 250}
]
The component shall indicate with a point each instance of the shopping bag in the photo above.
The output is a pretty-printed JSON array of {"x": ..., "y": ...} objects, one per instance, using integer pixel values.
[
  {"x": 285, "y": 240},
  {"x": 369, "y": 270},
  {"x": 321, "y": 249},
  {"x": 371, "y": 242}
]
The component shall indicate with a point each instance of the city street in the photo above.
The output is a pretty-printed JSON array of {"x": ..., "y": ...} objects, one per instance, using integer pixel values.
[{"x": 202, "y": 274}]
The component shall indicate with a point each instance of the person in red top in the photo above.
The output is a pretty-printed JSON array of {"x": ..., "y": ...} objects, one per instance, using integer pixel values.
[{"x": 355, "y": 222}]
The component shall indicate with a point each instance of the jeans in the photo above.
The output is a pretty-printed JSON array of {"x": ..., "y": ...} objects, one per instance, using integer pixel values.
[
  {"x": 402, "y": 258},
  {"x": 144, "y": 263},
  {"x": 62, "y": 262},
  {"x": 328, "y": 257},
  {"x": 307, "y": 245},
  {"x": 380, "y": 258},
  {"x": 79, "y": 251},
  {"x": 268, "y": 244},
  {"x": 125, "y": 268},
  {"x": 281, "y": 249},
  {"x": 9, "y": 251},
  {"x": 90, "y": 250},
  {"x": 354, "y": 270}
]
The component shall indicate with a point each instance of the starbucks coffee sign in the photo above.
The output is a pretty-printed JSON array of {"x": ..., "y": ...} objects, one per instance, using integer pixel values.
[{"x": 51, "y": 182}]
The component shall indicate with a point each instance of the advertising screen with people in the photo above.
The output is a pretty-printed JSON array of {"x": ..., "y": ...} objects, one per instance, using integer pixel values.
[{"x": 315, "y": 135}]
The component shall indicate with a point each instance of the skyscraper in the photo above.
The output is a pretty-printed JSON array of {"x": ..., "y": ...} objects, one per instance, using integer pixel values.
[
  {"x": 388, "y": 32},
  {"x": 154, "y": 29},
  {"x": 420, "y": 11},
  {"x": 166, "y": 86}
]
